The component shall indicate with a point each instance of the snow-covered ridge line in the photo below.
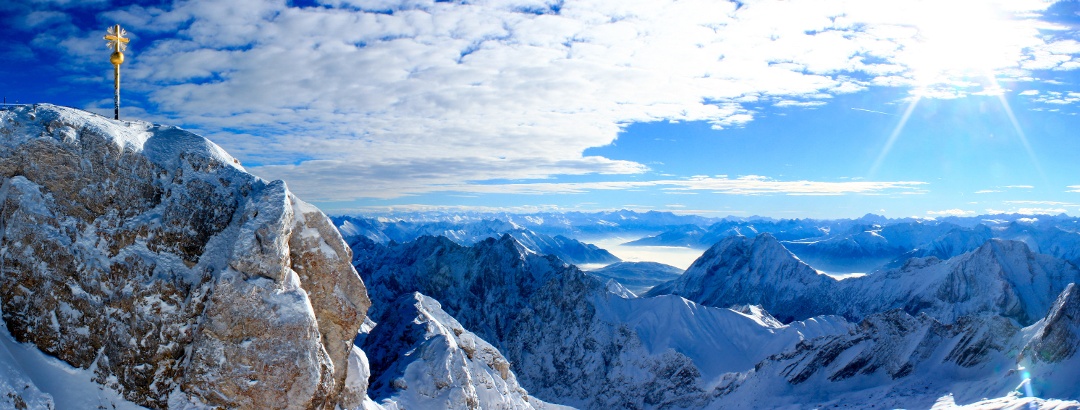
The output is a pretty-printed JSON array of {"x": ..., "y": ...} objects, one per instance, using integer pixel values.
[
  {"x": 164, "y": 145},
  {"x": 1001, "y": 277},
  {"x": 471, "y": 232}
]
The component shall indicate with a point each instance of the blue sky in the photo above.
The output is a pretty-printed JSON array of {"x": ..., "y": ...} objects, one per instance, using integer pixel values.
[{"x": 811, "y": 108}]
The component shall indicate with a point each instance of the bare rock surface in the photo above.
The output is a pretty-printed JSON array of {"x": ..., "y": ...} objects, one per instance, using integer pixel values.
[{"x": 150, "y": 255}]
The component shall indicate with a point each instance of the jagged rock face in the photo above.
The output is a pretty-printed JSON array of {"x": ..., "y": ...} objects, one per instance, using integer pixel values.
[
  {"x": 426, "y": 359},
  {"x": 540, "y": 312},
  {"x": 901, "y": 360},
  {"x": 148, "y": 252},
  {"x": 1058, "y": 335}
]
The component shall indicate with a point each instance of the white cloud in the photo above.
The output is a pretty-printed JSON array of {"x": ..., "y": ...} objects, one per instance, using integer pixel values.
[
  {"x": 793, "y": 103},
  {"x": 404, "y": 184},
  {"x": 951, "y": 212},
  {"x": 1045, "y": 203},
  {"x": 1004, "y": 188},
  {"x": 356, "y": 103},
  {"x": 1040, "y": 211}
]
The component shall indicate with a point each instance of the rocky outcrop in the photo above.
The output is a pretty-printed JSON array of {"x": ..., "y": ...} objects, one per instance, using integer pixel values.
[
  {"x": 426, "y": 359},
  {"x": 1058, "y": 335},
  {"x": 148, "y": 254}
]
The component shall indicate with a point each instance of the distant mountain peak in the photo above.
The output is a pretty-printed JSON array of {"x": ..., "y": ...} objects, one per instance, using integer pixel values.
[{"x": 760, "y": 270}]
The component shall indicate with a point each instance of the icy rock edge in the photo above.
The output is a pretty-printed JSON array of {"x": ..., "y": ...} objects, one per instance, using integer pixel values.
[{"x": 149, "y": 255}]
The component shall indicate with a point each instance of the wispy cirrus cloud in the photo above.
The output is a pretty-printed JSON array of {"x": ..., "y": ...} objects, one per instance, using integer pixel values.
[
  {"x": 1003, "y": 188},
  {"x": 1047, "y": 203}
]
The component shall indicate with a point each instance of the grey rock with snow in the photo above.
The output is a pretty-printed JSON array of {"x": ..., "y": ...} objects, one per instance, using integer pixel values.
[
  {"x": 148, "y": 254},
  {"x": 425, "y": 359}
]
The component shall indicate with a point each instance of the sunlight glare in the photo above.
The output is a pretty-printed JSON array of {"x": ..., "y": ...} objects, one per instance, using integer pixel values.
[{"x": 958, "y": 41}]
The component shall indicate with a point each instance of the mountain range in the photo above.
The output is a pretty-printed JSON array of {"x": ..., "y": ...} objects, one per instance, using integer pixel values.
[{"x": 142, "y": 267}]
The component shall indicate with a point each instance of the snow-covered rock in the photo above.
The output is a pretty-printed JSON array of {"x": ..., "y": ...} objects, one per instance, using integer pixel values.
[
  {"x": 147, "y": 254},
  {"x": 426, "y": 359},
  {"x": 1013, "y": 401},
  {"x": 892, "y": 360},
  {"x": 1057, "y": 337},
  {"x": 1050, "y": 354},
  {"x": 690, "y": 236},
  {"x": 865, "y": 248},
  {"x": 955, "y": 242}
]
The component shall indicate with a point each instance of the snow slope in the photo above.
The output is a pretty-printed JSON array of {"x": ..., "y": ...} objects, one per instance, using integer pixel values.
[{"x": 29, "y": 379}]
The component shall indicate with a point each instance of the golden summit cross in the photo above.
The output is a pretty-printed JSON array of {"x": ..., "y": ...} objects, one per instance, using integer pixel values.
[{"x": 117, "y": 42}]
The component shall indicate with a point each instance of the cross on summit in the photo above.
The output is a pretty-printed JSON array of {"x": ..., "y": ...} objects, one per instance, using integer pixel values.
[{"x": 116, "y": 41}]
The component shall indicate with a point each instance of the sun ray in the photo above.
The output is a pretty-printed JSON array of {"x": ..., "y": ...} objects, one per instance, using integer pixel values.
[
  {"x": 1016, "y": 126},
  {"x": 892, "y": 137}
]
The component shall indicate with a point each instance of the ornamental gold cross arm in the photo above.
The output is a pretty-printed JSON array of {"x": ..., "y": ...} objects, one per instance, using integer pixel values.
[{"x": 116, "y": 39}]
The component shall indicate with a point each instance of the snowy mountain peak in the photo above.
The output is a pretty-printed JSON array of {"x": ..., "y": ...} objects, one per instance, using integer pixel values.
[{"x": 740, "y": 270}]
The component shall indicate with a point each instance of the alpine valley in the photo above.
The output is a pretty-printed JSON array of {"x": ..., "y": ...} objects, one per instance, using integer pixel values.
[{"x": 141, "y": 266}]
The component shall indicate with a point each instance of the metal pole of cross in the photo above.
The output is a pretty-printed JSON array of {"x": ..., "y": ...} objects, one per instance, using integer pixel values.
[{"x": 118, "y": 43}]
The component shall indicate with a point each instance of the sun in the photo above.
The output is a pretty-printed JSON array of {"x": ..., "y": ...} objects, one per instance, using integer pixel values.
[
  {"x": 958, "y": 48},
  {"x": 960, "y": 42}
]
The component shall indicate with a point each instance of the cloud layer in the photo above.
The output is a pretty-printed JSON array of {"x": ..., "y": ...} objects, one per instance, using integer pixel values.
[{"x": 381, "y": 98}]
